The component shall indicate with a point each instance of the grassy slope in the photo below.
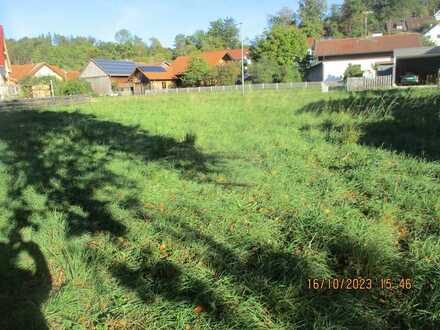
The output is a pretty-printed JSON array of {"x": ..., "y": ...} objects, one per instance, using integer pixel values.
[{"x": 201, "y": 211}]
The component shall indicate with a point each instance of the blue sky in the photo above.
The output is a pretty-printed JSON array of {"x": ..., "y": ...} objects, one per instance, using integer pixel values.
[{"x": 161, "y": 19}]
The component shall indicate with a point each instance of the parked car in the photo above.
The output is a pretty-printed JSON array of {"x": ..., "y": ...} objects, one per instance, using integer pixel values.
[{"x": 409, "y": 79}]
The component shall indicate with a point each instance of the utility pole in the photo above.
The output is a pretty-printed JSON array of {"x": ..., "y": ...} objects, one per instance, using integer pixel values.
[
  {"x": 242, "y": 59},
  {"x": 366, "y": 13}
]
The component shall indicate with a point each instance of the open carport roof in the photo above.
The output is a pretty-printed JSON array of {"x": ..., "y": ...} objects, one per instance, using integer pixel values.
[{"x": 418, "y": 52}]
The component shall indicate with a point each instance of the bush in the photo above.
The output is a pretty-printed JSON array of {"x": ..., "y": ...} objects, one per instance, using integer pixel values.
[
  {"x": 269, "y": 71},
  {"x": 74, "y": 87},
  {"x": 353, "y": 70},
  {"x": 197, "y": 73},
  {"x": 61, "y": 88},
  {"x": 225, "y": 74}
]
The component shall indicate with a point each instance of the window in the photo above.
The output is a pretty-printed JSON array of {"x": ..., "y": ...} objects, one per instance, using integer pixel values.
[{"x": 164, "y": 85}]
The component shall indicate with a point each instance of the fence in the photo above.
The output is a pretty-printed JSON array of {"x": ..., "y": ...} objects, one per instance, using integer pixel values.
[
  {"x": 249, "y": 87},
  {"x": 8, "y": 91},
  {"x": 362, "y": 84},
  {"x": 43, "y": 102}
]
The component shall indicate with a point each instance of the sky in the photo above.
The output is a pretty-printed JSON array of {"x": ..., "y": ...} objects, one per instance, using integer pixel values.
[{"x": 163, "y": 19}]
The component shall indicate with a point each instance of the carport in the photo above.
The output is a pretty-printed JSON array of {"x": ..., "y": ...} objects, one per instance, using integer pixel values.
[{"x": 422, "y": 61}]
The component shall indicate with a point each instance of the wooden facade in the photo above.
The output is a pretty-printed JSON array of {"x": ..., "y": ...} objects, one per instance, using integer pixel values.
[{"x": 142, "y": 81}]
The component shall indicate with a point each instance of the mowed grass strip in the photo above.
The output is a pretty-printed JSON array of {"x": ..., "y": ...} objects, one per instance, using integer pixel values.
[{"x": 213, "y": 211}]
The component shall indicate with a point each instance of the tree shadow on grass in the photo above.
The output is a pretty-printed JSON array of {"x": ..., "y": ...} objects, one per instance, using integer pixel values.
[
  {"x": 273, "y": 277},
  {"x": 401, "y": 121},
  {"x": 62, "y": 158}
]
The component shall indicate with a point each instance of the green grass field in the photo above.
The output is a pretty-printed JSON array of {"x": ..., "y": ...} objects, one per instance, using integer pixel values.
[{"x": 215, "y": 211}]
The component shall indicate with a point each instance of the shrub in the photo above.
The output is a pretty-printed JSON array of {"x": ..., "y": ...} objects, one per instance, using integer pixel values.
[
  {"x": 197, "y": 73},
  {"x": 225, "y": 74},
  {"x": 353, "y": 70},
  {"x": 74, "y": 87},
  {"x": 269, "y": 71}
]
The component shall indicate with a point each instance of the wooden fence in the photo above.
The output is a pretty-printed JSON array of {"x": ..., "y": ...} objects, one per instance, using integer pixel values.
[
  {"x": 362, "y": 84},
  {"x": 22, "y": 104}
]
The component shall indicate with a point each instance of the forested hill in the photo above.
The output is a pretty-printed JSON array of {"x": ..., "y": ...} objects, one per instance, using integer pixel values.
[{"x": 313, "y": 17}]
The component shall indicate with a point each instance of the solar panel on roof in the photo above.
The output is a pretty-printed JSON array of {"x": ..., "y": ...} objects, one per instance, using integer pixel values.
[
  {"x": 146, "y": 68},
  {"x": 116, "y": 68}
]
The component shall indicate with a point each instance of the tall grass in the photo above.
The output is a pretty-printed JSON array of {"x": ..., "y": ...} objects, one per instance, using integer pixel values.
[{"x": 214, "y": 211}]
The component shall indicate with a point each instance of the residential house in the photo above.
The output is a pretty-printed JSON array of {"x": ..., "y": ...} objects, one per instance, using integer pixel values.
[
  {"x": 236, "y": 54},
  {"x": 147, "y": 77},
  {"x": 106, "y": 75},
  {"x": 37, "y": 70},
  {"x": 180, "y": 64},
  {"x": 433, "y": 34},
  {"x": 374, "y": 55},
  {"x": 6, "y": 81}
]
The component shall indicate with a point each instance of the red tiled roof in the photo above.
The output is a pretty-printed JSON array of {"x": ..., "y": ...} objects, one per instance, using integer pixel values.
[
  {"x": 180, "y": 64},
  {"x": 167, "y": 75},
  {"x": 20, "y": 71},
  {"x": 236, "y": 53},
  {"x": 71, "y": 75},
  {"x": 382, "y": 44},
  {"x": 57, "y": 70},
  {"x": 2, "y": 46}
]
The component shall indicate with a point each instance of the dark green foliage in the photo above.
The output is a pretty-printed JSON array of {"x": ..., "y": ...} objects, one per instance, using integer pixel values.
[
  {"x": 74, "y": 87},
  {"x": 312, "y": 13},
  {"x": 225, "y": 74},
  {"x": 286, "y": 45},
  {"x": 197, "y": 73},
  {"x": 221, "y": 34},
  {"x": 353, "y": 70},
  {"x": 72, "y": 53},
  {"x": 269, "y": 71}
]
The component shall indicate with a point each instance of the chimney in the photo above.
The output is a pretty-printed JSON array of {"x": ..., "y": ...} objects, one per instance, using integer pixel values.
[{"x": 2, "y": 46}]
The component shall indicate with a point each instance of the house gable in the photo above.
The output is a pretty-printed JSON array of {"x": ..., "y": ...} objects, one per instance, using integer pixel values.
[
  {"x": 45, "y": 71},
  {"x": 92, "y": 71}
]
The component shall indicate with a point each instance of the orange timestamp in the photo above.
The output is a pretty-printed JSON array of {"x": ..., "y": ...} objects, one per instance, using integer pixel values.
[{"x": 359, "y": 283}]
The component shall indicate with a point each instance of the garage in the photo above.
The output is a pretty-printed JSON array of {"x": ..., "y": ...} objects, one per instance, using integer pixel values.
[{"x": 417, "y": 66}]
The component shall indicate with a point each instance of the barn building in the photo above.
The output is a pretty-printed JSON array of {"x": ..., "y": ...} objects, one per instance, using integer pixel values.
[
  {"x": 374, "y": 55},
  {"x": 150, "y": 77},
  {"x": 109, "y": 76}
]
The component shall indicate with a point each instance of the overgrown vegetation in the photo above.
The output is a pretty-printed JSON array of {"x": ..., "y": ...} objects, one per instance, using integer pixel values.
[
  {"x": 60, "y": 88},
  {"x": 207, "y": 211}
]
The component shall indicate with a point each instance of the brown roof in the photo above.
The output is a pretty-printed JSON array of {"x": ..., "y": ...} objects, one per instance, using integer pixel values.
[
  {"x": 236, "y": 53},
  {"x": 381, "y": 44},
  {"x": 180, "y": 64},
  {"x": 57, "y": 70},
  {"x": 167, "y": 75},
  {"x": 21, "y": 71},
  {"x": 71, "y": 75}
]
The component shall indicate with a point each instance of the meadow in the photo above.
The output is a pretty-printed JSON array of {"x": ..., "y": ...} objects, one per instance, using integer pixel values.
[{"x": 216, "y": 211}]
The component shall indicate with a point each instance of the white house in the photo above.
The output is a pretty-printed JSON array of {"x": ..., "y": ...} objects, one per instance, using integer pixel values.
[
  {"x": 434, "y": 34},
  {"x": 37, "y": 70},
  {"x": 374, "y": 55}
]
